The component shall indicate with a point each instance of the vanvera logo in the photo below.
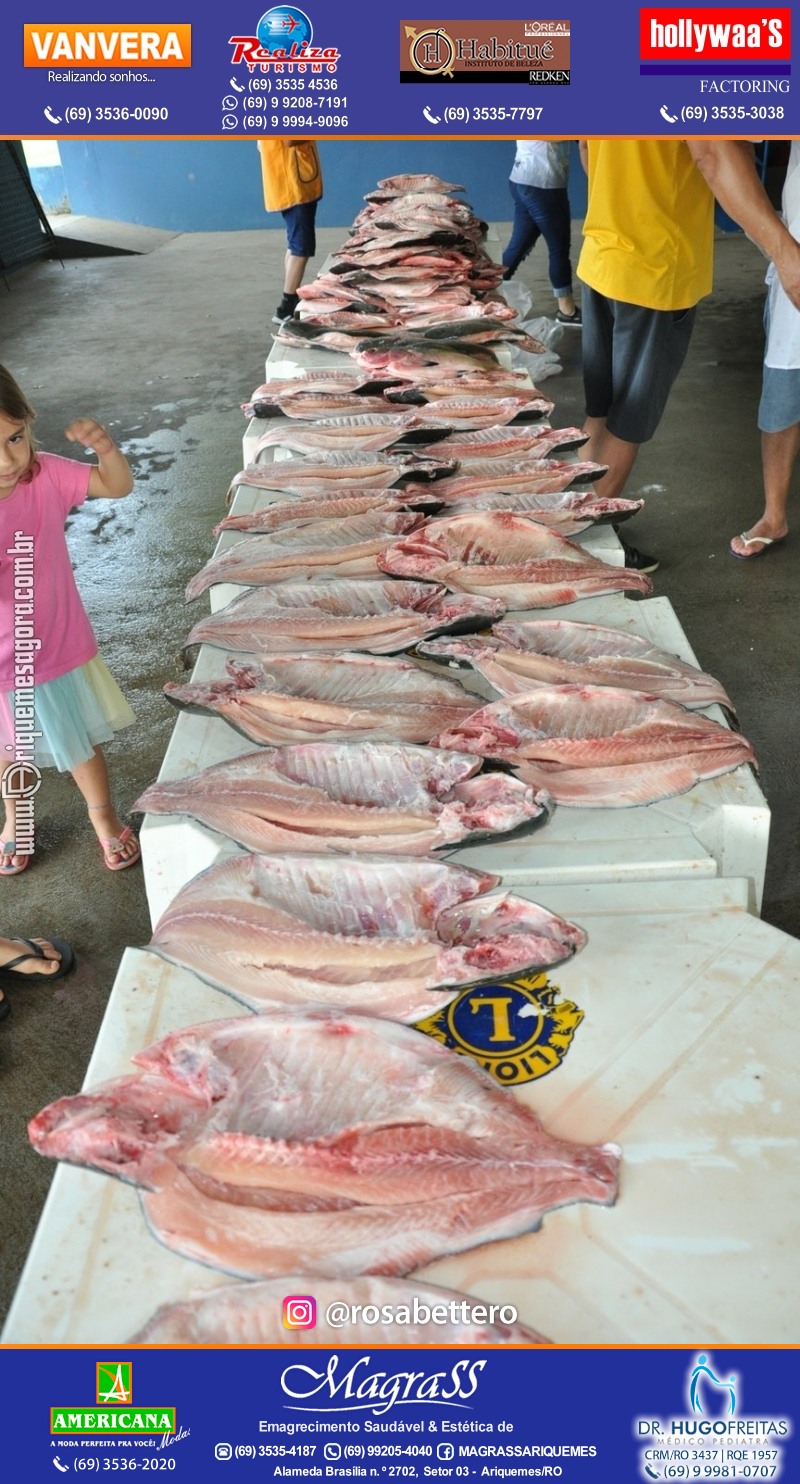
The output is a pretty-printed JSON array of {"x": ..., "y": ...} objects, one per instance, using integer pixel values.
[
  {"x": 360, "y": 1389},
  {"x": 69, "y": 45}
]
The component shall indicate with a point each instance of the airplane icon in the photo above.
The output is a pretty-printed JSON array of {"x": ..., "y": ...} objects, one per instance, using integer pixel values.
[{"x": 290, "y": 24}]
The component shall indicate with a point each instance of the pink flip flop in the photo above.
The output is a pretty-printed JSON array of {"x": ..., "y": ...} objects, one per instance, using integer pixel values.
[
  {"x": 9, "y": 848},
  {"x": 111, "y": 847}
]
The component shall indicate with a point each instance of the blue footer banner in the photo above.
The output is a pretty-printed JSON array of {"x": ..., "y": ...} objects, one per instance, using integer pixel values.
[{"x": 400, "y": 1413}]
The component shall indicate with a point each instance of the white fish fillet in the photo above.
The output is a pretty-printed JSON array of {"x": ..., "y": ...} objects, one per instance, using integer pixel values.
[
  {"x": 500, "y": 552},
  {"x": 330, "y": 797},
  {"x": 394, "y": 937},
  {"x": 519, "y": 656},
  {"x": 377, "y": 617},
  {"x": 340, "y": 547},
  {"x": 597, "y": 746},
  {"x": 321, "y": 1144},
  {"x": 299, "y": 512},
  {"x": 252, "y": 1314},
  {"x": 312, "y": 697}
]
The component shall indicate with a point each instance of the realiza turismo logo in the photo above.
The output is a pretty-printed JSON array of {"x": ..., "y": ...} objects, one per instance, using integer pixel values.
[{"x": 283, "y": 43}]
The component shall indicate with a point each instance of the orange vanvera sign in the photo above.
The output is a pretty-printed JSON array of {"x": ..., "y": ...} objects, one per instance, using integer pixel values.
[{"x": 52, "y": 45}]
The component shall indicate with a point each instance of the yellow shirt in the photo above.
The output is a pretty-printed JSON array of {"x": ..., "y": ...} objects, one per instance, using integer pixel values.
[
  {"x": 290, "y": 172},
  {"x": 649, "y": 229}
]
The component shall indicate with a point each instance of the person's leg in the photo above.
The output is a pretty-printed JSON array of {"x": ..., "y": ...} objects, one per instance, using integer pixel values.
[
  {"x": 554, "y": 220},
  {"x": 93, "y": 782},
  {"x": 778, "y": 456},
  {"x": 604, "y": 447},
  {"x": 11, "y": 861},
  {"x": 293, "y": 270},
  {"x": 525, "y": 232},
  {"x": 301, "y": 245},
  {"x": 779, "y": 423}
]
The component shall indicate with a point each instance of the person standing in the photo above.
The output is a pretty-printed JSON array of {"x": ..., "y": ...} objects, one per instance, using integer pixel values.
[
  {"x": 291, "y": 178},
  {"x": 779, "y": 409},
  {"x": 538, "y": 185},
  {"x": 646, "y": 262}
]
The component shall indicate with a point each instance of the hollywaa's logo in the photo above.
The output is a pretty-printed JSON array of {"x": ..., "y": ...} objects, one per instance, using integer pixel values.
[
  {"x": 283, "y": 43},
  {"x": 360, "y": 1389},
  {"x": 719, "y": 34}
]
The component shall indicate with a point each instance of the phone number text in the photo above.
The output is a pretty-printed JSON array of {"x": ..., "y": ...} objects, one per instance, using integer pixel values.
[
  {"x": 84, "y": 115},
  {"x": 500, "y": 114}
]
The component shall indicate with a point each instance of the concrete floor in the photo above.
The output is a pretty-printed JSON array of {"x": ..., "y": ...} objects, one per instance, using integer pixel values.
[{"x": 163, "y": 348}]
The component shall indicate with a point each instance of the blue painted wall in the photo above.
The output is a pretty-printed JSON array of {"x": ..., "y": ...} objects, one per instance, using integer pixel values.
[
  {"x": 215, "y": 185},
  {"x": 50, "y": 186}
]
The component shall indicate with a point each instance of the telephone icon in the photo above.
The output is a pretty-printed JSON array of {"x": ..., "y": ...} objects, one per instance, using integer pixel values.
[
  {"x": 671, "y": 118},
  {"x": 61, "y": 1466},
  {"x": 237, "y": 87},
  {"x": 54, "y": 119},
  {"x": 431, "y": 117}
]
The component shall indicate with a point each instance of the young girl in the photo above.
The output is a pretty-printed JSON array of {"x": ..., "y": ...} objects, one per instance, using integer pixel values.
[{"x": 48, "y": 652}]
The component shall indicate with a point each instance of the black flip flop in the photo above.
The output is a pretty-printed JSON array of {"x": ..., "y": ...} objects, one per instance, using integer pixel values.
[{"x": 8, "y": 977}]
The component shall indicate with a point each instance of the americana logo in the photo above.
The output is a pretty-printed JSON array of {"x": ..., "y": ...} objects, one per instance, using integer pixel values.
[{"x": 516, "y": 1030}]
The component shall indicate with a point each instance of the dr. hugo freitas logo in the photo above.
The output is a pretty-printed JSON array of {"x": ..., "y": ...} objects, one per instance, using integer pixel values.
[{"x": 714, "y": 1422}]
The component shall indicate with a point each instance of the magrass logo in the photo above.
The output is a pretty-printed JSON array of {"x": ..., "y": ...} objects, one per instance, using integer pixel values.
[{"x": 114, "y": 1414}]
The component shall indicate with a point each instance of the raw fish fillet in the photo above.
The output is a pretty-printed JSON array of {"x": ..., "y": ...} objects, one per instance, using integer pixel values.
[
  {"x": 553, "y": 651},
  {"x": 504, "y": 553},
  {"x": 498, "y": 442},
  {"x": 394, "y": 937},
  {"x": 566, "y": 511},
  {"x": 506, "y": 475},
  {"x": 300, "y": 512},
  {"x": 328, "y": 796},
  {"x": 309, "y": 697},
  {"x": 339, "y": 547},
  {"x": 332, "y": 470},
  {"x": 597, "y": 746},
  {"x": 370, "y": 432},
  {"x": 252, "y": 1314},
  {"x": 380, "y": 617},
  {"x": 320, "y": 1144}
]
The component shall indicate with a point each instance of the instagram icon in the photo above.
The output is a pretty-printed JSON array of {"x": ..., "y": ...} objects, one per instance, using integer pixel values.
[{"x": 299, "y": 1311}]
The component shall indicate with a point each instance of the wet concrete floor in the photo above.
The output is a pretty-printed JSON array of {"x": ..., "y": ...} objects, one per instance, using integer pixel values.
[{"x": 163, "y": 348}]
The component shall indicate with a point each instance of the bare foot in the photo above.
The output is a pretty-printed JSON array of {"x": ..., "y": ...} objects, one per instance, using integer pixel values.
[
  {"x": 11, "y": 861},
  {"x": 11, "y": 948},
  {"x": 751, "y": 543},
  {"x": 109, "y": 828}
]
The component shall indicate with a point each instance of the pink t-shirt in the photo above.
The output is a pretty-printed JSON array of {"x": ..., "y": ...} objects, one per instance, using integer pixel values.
[{"x": 38, "y": 596}]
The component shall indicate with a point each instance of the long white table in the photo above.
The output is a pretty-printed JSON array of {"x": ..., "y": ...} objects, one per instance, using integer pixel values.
[{"x": 686, "y": 1057}]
